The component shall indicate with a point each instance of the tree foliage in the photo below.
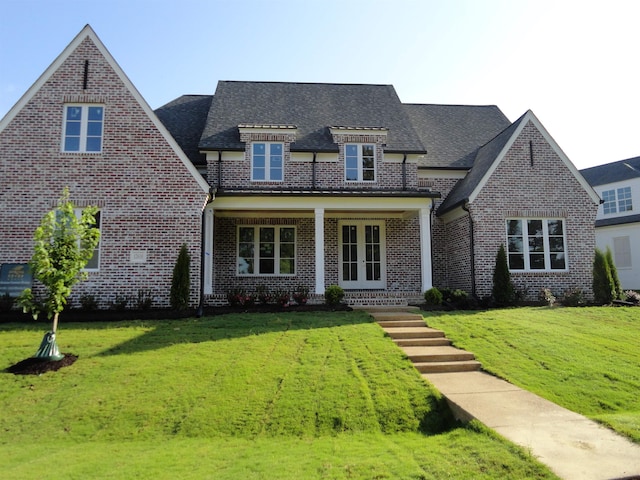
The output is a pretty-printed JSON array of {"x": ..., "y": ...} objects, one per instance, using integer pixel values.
[
  {"x": 604, "y": 287},
  {"x": 181, "y": 280},
  {"x": 503, "y": 290},
  {"x": 617, "y": 286},
  {"x": 63, "y": 244}
]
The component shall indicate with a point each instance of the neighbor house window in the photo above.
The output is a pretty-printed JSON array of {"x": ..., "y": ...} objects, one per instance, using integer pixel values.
[
  {"x": 83, "y": 125},
  {"x": 359, "y": 163},
  {"x": 536, "y": 244},
  {"x": 266, "y": 161},
  {"x": 266, "y": 250},
  {"x": 609, "y": 201},
  {"x": 617, "y": 200},
  {"x": 624, "y": 199},
  {"x": 622, "y": 252}
]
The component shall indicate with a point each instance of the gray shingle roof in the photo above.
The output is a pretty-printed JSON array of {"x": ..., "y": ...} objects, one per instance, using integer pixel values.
[
  {"x": 482, "y": 160},
  {"x": 451, "y": 132},
  {"x": 622, "y": 220},
  {"x": 312, "y": 107},
  {"x": 185, "y": 118},
  {"x": 612, "y": 172}
]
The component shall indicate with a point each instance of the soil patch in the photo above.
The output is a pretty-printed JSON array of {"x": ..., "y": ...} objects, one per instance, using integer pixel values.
[{"x": 38, "y": 366}]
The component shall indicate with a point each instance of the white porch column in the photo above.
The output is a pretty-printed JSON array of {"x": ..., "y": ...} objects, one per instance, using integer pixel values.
[
  {"x": 208, "y": 250},
  {"x": 319, "y": 251},
  {"x": 425, "y": 248}
]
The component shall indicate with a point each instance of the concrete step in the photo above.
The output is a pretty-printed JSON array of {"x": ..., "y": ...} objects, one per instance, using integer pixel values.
[
  {"x": 437, "y": 354},
  {"x": 448, "y": 367},
  {"x": 413, "y": 332},
  {"x": 396, "y": 316},
  {"x": 422, "y": 342},
  {"x": 402, "y": 323}
]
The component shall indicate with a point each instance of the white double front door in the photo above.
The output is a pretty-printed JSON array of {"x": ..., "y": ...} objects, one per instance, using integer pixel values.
[{"x": 362, "y": 254}]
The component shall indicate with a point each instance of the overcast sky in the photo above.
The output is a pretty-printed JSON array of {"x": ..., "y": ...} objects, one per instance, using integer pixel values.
[{"x": 574, "y": 63}]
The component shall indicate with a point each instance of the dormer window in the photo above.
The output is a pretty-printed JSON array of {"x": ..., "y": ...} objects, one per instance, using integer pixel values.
[
  {"x": 266, "y": 161},
  {"x": 360, "y": 162}
]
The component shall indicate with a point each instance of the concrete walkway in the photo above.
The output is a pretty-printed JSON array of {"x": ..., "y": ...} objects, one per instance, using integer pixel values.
[{"x": 572, "y": 446}]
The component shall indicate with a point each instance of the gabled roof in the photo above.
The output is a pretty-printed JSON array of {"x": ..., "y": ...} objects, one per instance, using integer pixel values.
[
  {"x": 452, "y": 132},
  {"x": 487, "y": 158},
  {"x": 185, "y": 118},
  {"x": 87, "y": 32},
  {"x": 313, "y": 108},
  {"x": 613, "y": 172}
]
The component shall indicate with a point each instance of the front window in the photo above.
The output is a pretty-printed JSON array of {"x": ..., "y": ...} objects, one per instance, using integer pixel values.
[
  {"x": 83, "y": 128},
  {"x": 266, "y": 250},
  {"x": 267, "y": 162},
  {"x": 359, "y": 163},
  {"x": 536, "y": 244}
]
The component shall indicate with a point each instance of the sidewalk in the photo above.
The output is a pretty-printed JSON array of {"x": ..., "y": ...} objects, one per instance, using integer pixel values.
[{"x": 574, "y": 447}]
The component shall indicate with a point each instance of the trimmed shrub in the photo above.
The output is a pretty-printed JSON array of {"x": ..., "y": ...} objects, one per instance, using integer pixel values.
[
  {"x": 181, "y": 280},
  {"x": 503, "y": 290},
  {"x": 617, "y": 287},
  {"x": 300, "y": 295},
  {"x": 333, "y": 294},
  {"x": 433, "y": 296},
  {"x": 604, "y": 290},
  {"x": 573, "y": 298}
]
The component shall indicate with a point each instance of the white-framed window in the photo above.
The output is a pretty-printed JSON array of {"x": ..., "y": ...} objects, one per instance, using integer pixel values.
[
  {"x": 624, "y": 199},
  {"x": 622, "y": 252},
  {"x": 267, "y": 160},
  {"x": 266, "y": 250},
  {"x": 617, "y": 200},
  {"x": 94, "y": 262},
  {"x": 535, "y": 244},
  {"x": 83, "y": 126},
  {"x": 609, "y": 202},
  {"x": 359, "y": 162}
]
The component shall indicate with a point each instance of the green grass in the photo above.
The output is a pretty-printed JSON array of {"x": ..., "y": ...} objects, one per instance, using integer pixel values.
[
  {"x": 288, "y": 396},
  {"x": 585, "y": 359}
]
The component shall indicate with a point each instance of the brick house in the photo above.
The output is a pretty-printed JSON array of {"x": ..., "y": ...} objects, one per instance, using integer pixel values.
[
  {"x": 618, "y": 218},
  {"x": 84, "y": 125},
  {"x": 288, "y": 184}
]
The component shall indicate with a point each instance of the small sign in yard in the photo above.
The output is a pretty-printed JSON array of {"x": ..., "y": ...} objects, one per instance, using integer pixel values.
[{"x": 14, "y": 278}]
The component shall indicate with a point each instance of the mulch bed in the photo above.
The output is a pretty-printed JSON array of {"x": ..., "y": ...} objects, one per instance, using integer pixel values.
[{"x": 38, "y": 366}]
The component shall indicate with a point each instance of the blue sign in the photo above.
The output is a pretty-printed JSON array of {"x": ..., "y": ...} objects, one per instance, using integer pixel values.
[{"x": 14, "y": 278}]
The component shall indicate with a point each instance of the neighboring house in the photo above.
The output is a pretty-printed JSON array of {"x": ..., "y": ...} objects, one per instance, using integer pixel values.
[
  {"x": 84, "y": 125},
  {"x": 618, "y": 218},
  {"x": 306, "y": 185}
]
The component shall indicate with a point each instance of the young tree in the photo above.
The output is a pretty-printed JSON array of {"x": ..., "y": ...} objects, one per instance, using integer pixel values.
[
  {"x": 617, "y": 286},
  {"x": 64, "y": 244},
  {"x": 503, "y": 291},
  {"x": 604, "y": 290},
  {"x": 181, "y": 280}
]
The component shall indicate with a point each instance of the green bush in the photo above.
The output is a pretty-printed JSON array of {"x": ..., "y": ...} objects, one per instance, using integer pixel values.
[
  {"x": 433, "y": 296},
  {"x": 333, "y": 294},
  {"x": 301, "y": 294},
  {"x": 573, "y": 298},
  {"x": 604, "y": 290},
  {"x": 88, "y": 302},
  {"x": 181, "y": 280},
  {"x": 503, "y": 291},
  {"x": 617, "y": 286}
]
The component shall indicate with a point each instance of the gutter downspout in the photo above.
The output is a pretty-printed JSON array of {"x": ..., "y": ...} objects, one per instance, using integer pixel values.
[
  {"x": 210, "y": 198},
  {"x": 465, "y": 207}
]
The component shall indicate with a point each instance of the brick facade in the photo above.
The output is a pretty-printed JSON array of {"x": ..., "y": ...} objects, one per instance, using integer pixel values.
[{"x": 149, "y": 201}]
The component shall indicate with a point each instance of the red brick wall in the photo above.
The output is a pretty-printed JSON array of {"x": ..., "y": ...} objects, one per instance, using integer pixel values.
[
  {"x": 545, "y": 188},
  {"x": 148, "y": 199}
]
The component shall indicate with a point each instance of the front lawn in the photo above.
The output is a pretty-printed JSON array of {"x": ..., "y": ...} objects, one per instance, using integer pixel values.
[
  {"x": 585, "y": 359},
  {"x": 261, "y": 396}
]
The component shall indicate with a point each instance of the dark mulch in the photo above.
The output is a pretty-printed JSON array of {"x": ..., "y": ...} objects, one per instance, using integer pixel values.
[{"x": 38, "y": 366}]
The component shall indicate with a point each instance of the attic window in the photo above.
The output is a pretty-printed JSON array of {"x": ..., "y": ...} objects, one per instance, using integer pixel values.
[{"x": 83, "y": 125}]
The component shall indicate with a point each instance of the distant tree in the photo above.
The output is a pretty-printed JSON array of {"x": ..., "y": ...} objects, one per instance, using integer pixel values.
[
  {"x": 64, "y": 244},
  {"x": 604, "y": 290},
  {"x": 181, "y": 280},
  {"x": 617, "y": 286},
  {"x": 503, "y": 291}
]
